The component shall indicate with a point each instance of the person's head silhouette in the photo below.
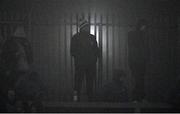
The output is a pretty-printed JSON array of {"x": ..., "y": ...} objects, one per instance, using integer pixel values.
[{"x": 84, "y": 25}]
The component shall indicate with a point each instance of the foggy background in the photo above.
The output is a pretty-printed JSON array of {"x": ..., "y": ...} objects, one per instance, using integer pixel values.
[{"x": 50, "y": 24}]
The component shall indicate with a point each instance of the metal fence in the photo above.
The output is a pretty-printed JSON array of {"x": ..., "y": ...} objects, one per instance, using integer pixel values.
[
  {"x": 111, "y": 38},
  {"x": 50, "y": 33}
]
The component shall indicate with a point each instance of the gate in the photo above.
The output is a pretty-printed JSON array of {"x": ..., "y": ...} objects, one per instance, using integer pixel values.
[
  {"x": 51, "y": 24},
  {"x": 55, "y": 35}
]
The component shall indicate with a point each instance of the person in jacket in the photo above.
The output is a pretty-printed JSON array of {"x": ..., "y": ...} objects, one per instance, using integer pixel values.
[
  {"x": 16, "y": 59},
  {"x": 85, "y": 51}
]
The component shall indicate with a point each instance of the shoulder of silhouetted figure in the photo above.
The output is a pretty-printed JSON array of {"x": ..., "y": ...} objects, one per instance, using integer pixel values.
[{"x": 77, "y": 34}]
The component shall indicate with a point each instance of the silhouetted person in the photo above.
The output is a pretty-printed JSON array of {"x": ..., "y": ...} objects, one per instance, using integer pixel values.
[
  {"x": 84, "y": 49},
  {"x": 138, "y": 54},
  {"x": 116, "y": 90}
]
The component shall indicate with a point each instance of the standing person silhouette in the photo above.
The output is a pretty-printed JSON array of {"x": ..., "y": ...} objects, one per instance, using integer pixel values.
[
  {"x": 85, "y": 51},
  {"x": 16, "y": 61},
  {"x": 138, "y": 55}
]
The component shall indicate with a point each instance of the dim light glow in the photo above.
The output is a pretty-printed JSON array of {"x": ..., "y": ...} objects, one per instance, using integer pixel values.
[{"x": 92, "y": 31}]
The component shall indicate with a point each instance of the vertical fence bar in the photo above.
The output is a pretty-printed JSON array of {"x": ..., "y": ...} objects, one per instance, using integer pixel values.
[
  {"x": 71, "y": 34},
  {"x": 89, "y": 16},
  {"x": 77, "y": 19},
  {"x": 113, "y": 43},
  {"x": 104, "y": 49},
  {"x": 107, "y": 43},
  {"x": 110, "y": 47},
  {"x": 5, "y": 31},
  {"x": 119, "y": 46},
  {"x": 95, "y": 16},
  {"x": 5, "y": 25},
  {"x": 11, "y": 26},
  {"x": 60, "y": 59},
  {"x": 96, "y": 82},
  {"x": 100, "y": 47},
  {"x": 65, "y": 45},
  {"x": 1, "y": 16},
  {"x": 4, "y": 15},
  {"x": 30, "y": 24},
  {"x": 63, "y": 68},
  {"x": 68, "y": 35}
]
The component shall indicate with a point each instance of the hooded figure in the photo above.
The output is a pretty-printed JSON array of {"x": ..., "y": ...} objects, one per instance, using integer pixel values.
[{"x": 85, "y": 51}]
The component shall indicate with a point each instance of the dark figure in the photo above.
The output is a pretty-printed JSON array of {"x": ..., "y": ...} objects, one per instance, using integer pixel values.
[
  {"x": 115, "y": 91},
  {"x": 16, "y": 58},
  {"x": 84, "y": 49},
  {"x": 138, "y": 54}
]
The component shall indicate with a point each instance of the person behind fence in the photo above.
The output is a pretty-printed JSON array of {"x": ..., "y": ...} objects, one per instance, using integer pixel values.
[
  {"x": 138, "y": 55},
  {"x": 16, "y": 59},
  {"x": 116, "y": 90},
  {"x": 16, "y": 56},
  {"x": 85, "y": 51}
]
